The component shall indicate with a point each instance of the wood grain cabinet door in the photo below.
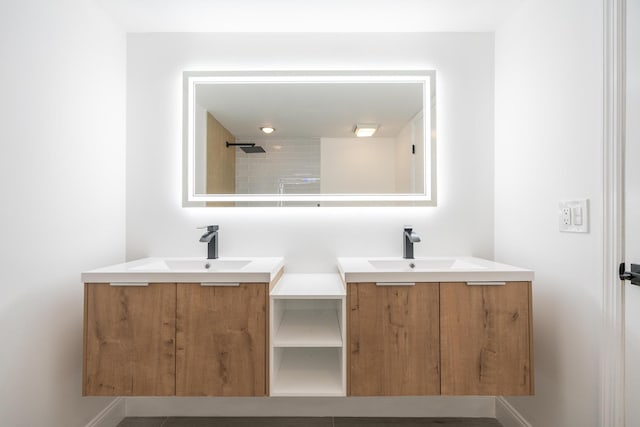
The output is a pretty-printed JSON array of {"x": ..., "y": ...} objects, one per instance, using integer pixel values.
[
  {"x": 221, "y": 340},
  {"x": 486, "y": 339},
  {"x": 129, "y": 340},
  {"x": 393, "y": 340}
]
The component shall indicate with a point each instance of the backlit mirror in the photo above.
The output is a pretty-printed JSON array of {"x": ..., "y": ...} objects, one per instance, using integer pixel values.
[{"x": 309, "y": 138}]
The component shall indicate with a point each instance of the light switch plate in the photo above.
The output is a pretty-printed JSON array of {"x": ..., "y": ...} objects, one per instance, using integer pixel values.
[{"x": 573, "y": 216}]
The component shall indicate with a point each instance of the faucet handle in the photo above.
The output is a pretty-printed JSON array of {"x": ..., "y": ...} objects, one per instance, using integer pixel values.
[
  {"x": 208, "y": 227},
  {"x": 412, "y": 235}
]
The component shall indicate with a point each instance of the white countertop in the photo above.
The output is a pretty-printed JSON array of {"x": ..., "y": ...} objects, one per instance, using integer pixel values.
[
  {"x": 188, "y": 270},
  {"x": 306, "y": 286},
  {"x": 434, "y": 269}
]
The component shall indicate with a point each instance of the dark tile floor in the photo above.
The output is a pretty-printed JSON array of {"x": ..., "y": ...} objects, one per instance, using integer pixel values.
[{"x": 305, "y": 422}]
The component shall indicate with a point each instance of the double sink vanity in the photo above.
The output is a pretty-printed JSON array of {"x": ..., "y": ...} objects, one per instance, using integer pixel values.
[{"x": 244, "y": 327}]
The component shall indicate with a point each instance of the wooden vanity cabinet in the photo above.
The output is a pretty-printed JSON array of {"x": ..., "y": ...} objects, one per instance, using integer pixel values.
[
  {"x": 175, "y": 339},
  {"x": 190, "y": 339},
  {"x": 485, "y": 339},
  {"x": 460, "y": 339},
  {"x": 393, "y": 340},
  {"x": 221, "y": 341},
  {"x": 129, "y": 340}
]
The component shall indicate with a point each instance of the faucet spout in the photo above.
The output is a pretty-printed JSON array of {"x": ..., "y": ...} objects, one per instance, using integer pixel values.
[
  {"x": 409, "y": 237},
  {"x": 211, "y": 238}
]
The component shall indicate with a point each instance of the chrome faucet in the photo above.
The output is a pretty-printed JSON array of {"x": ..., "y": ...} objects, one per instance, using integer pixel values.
[
  {"x": 211, "y": 238},
  {"x": 409, "y": 237}
]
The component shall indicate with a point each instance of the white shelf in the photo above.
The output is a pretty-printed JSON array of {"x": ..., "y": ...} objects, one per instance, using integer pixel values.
[
  {"x": 309, "y": 372},
  {"x": 308, "y": 328},
  {"x": 309, "y": 286}
]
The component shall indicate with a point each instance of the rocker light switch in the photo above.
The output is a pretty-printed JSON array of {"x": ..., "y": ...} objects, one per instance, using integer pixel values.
[
  {"x": 574, "y": 216},
  {"x": 576, "y": 213}
]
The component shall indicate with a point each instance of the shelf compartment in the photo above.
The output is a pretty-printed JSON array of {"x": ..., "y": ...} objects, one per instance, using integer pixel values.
[
  {"x": 308, "y": 372},
  {"x": 308, "y": 328}
]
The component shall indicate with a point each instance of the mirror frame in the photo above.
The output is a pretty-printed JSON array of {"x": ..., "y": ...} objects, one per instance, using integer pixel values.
[{"x": 191, "y": 79}]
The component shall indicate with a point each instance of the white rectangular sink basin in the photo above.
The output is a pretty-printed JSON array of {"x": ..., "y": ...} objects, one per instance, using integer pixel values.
[
  {"x": 192, "y": 265},
  {"x": 428, "y": 269},
  {"x": 424, "y": 264},
  {"x": 189, "y": 270}
]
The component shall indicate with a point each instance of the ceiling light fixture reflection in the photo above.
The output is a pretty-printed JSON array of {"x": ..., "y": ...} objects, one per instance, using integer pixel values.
[
  {"x": 365, "y": 130},
  {"x": 267, "y": 129}
]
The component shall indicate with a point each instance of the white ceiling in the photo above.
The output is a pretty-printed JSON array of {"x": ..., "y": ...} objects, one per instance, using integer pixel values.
[
  {"x": 309, "y": 15},
  {"x": 311, "y": 110}
]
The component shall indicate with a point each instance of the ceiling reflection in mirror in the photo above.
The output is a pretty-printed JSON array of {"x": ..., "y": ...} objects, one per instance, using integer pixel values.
[{"x": 264, "y": 139}]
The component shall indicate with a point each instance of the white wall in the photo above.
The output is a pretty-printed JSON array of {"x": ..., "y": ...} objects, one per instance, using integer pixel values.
[
  {"x": 310, "y": 238},
  {"x": 410, "y": 168},
  {"x": 632, "y": 201},
  {"x": 200, "y": 143},
  {"x": 357, "y": 165},
  {"x": 548, "y": 148},
  {"x": 62, "y": 154}
]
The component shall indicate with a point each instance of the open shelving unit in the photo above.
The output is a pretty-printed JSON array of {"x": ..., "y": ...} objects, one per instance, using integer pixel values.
[
  {"x": 313, "y": 327},
  {"x": 307, "y": 330}
]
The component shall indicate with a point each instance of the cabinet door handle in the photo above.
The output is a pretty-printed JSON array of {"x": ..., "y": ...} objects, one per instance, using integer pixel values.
[
  {"x": 486, "y": 283},
  {"x": 129, "y": 284},
  {"x": 219, "y": 284},
  {"x": 395, "y": 283}
]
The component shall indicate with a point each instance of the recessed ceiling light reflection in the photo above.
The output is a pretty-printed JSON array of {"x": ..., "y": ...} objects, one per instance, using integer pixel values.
[
  {"x": 363, "y": 131},
  {"x": 267, "y": 129}
]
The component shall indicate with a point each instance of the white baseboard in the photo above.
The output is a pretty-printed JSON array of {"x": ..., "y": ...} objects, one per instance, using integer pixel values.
[
  {"x": 111, "y": 415},
  {"x": 434, "y": 406},
  {"x": 507, "y": 414}
]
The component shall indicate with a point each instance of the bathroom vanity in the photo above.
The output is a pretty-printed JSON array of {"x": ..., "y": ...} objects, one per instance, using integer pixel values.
[
  {"x": 241, "y": 327},
  {"x": 158, "y": 327},
  {"x": 438, "y": 326}
]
